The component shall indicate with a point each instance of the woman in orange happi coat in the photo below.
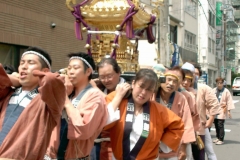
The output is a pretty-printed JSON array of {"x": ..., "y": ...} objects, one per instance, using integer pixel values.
[{"x": 136, "y": 124}]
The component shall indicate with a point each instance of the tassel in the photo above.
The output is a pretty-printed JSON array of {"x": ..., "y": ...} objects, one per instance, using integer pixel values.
[
  {"x": 78, "y": 32},
  {"x": 89, "y": 42},
  {"x": 114, "y": 55},
  {"x": 151, "y": 38},
  {"x": 129, "y": 28},
  {"x": 97, "y": 35}
]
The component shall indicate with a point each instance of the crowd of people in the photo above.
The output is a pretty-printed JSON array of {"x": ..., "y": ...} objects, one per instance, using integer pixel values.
[{"x": 71, "y": 116}]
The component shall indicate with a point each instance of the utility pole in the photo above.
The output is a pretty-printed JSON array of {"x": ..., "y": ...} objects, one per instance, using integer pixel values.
[
  {"x": 164, "y": 29},
  {"x": 225, "y": 32}
]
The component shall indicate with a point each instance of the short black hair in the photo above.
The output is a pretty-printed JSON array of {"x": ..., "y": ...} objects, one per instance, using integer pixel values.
[
  {"x": 111, "y": 62},
  {"x": 87, "y": 57},
  {"x": 43, "y": 53},
  {"x": 9, "y": 69},
  {"x": 198, "y": 67}
]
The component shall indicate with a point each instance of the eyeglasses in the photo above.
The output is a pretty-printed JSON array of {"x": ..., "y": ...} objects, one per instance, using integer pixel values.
[
  {"x": 106, "y": 77},
  {"x": 220, "y": 83}
]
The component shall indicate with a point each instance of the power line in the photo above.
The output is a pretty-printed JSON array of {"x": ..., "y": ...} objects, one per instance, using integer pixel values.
[{"x": 205, "y": 15}]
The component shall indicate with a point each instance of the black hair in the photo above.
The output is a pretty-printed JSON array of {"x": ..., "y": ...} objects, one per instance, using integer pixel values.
[
  {"x": 149, "y": 76},
  {"x": 43, "y": 53},
  {"x": 111, "y": 62},
  {"x": 197, "y": 66},
  {"x": 178, "y": 68},
  {"x": 88, "y": 58},
  {"x": 9, "y": 69}
]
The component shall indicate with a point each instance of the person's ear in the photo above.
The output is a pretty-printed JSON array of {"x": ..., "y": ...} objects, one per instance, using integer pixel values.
[
  {"x": 45, "y": 69},
  {"x": 89, "y": 71}
]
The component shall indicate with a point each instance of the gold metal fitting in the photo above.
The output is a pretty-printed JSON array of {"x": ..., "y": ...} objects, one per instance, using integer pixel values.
[
  {"x": 84, "y": 29},
  {"x": 114, "y": 45},
  {"x": 118, "y": 27},
  {"x": 87, "y": 46}
]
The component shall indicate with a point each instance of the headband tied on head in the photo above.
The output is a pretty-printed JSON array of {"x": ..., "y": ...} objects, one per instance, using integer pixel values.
[
  {"x": 39, "y": 55},
  {"x": 173, "y": 75},
  {"x": 84, "y": 60},
  {"x": 189, "y": 77}
]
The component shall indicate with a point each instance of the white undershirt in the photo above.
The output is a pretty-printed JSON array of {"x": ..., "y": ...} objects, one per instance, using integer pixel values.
[
  {"x": 137, "y": 125},
  {"x": 162, "y": 145},
  {"x": 22, "y": 95}
]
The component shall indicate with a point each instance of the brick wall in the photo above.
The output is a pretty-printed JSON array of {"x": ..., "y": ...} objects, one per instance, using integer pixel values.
[{"x": 27, "y": 23}]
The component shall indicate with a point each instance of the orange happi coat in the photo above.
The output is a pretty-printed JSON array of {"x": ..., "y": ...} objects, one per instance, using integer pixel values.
[{"x": 165, "y": 126}]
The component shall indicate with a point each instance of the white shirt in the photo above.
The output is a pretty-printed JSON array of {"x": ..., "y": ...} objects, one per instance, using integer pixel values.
[{"x": 137, "y": 125}]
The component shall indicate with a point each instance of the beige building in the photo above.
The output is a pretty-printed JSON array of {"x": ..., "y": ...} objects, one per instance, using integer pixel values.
[
  {"x": 47, "y": 24},
  {"x": 184, "y": 28}
]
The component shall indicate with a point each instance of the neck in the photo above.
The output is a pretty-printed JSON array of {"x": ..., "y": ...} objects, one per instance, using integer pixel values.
[
  {"x": 80, "y": 87},
  {"x": 28, "y": 88},
  {"x": 137, "y": 109},
  {"x": 165, "y": 96},
  {"x": 110, "y": 90}
]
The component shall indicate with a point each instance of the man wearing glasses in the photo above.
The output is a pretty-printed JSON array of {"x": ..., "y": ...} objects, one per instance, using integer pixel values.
[{"x": 109, "y": 76}]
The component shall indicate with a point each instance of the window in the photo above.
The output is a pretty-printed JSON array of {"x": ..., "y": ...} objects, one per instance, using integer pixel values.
[
  {"x": 10, "y": 54},
  {"x": 209, "y": 45},
  {"x": 190, "y": 41},
  {"x": 191, "y": 7},
  {"x": 211, "y": 19},
  {"x": 213, "y": 47}
]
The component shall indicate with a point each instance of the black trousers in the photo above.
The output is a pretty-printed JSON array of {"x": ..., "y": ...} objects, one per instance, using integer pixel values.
[
  {"x": 219, "y": 125},
  {"x": 198, "y": 154}
]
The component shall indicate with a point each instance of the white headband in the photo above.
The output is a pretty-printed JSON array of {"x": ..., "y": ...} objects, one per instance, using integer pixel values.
[
  {"x": 41, "y": 56},
  {"x": 84, "y": 60}
]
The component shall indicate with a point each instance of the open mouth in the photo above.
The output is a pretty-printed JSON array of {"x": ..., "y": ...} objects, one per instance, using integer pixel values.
[{"x": 23, "y": 75}]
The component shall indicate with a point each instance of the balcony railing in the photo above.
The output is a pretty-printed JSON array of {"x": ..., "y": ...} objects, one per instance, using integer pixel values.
[
  {"x": 237, "y": 14},
  {"x": 235, "y": 2}
]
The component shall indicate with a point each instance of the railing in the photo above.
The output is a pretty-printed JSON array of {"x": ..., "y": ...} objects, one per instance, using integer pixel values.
[
  {"x": 235, "y": 2},
  {"x": 237, "y": 14}
]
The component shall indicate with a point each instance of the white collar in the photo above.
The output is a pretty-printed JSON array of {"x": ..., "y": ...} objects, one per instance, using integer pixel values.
[{"x": 122, "y": 80}]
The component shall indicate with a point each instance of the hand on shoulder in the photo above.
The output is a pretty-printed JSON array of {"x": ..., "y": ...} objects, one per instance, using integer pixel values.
[{"x": 122, "y": 89}]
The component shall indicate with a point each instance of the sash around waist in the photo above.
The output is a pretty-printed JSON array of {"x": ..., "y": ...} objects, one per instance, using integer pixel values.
[
  {"x": 46, "y": 157},
  {"x": 99, "y": 140}
]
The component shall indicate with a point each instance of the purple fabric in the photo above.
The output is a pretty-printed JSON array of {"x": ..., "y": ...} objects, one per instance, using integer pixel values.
[
  {"x": 77, "y": 14},
  {"x": 97, "y": 35},
  {"x": 150, "y": 36},
  {"x": 198, "y": 154},
  {"x": 78, "y": 32},
  {"x": 113, "y": 55},
  {"x": 89, "y": 42}
]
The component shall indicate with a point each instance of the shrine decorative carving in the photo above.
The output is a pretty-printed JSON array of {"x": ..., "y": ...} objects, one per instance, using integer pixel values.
[{"x": 117, "y": 24}]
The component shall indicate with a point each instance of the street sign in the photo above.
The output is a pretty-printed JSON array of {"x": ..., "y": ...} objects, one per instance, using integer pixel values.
[{"x": 218, "y": 14}]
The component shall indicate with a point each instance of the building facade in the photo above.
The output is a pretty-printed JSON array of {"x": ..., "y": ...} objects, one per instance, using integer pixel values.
[
  {"x": 235, "y": 33},
  {"x": 47, "y": 24},
  {"x": 184, "y": 28}
]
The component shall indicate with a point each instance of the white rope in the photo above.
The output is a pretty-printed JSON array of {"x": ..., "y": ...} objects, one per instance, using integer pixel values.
[
  {"x": 40, "y": 55},
  {"x": 106, "y": 32},
  {"x": 84, "y": 60}
]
